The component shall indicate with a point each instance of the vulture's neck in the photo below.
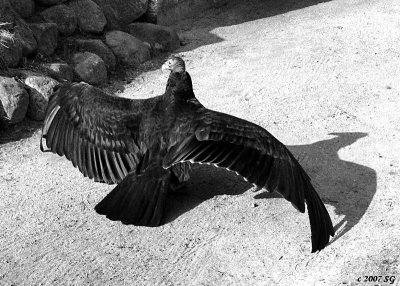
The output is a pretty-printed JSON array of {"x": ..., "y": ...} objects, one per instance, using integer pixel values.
[{"x": 179, "y": 86}]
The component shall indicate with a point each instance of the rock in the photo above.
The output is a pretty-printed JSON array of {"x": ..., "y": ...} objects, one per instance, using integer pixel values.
[
  {"x": 162, "y": 37},
  {"x": 40, "y": 89},
  {"x": 63, "y": 16},
  {"x": 120, "y": 13},
  {"x": 46, "y": 37},
  {"x": 14, "y": 101},
  {"x": 10, "y": 53},
  {"x": 129, "y": 50},
  {"x": 99, "y": 48},
  {"x": 89, "y": 16},
  {"x": 7, "y": 12},
  {"x": 12, "y": 47},
  {"x": 60, "y": 71},
  {"x": 24, "y": 8},
  {"x": 150, "y": 16},
  {"x": 90, "y": 68},
  {"x": 25, "y": 36},
  {"x": 8, "y": 16},
  {"x": 49, "y": 2}
]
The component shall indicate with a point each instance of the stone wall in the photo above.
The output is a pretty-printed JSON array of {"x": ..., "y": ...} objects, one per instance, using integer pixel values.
[{"x": 79, "y": 40}]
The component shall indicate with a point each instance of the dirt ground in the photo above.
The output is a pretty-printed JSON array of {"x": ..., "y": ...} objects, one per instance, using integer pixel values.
[{"x": 322, "y": 76}]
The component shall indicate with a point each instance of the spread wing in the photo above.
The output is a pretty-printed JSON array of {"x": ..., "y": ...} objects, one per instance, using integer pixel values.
[
  {"x": 252, "y": 152},
  {"x": 95, "y": 131}
]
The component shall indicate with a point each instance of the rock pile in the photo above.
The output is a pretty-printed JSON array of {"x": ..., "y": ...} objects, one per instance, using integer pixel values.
[
  {"x": 92, "y": 37},
  {"x": 89, "y": 38}
]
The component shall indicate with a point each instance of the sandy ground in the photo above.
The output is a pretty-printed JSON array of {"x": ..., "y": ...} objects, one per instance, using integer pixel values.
[{"x": 322, "y": 76}]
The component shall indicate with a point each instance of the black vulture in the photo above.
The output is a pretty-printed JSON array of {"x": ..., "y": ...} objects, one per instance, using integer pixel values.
[{"x": 146, "y": 146}]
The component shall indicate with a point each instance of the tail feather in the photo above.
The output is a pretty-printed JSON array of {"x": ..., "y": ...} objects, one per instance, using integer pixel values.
[{"x": 138, "y": 199}]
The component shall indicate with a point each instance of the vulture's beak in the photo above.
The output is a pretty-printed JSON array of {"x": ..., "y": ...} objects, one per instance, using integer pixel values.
[{"x": 165, "y": 67}]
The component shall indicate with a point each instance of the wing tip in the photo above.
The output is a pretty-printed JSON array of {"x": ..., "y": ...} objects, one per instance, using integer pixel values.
[
  {"x": 321, "y": 226},
  {"x": 41, "y": 144}
]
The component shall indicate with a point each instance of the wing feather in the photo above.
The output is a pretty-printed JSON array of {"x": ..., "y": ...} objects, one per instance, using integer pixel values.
[
  {"x": 97, "y": 132},
  {"x": 109, "y": 167},
  {"x": 80, "y": 153},
  {"x": 68, "y": 141},
  {"x": 99, "y": 160},
  {"x": 50, "y": 118},
  {"x": 95, "y": 163},
  {"x": 49, "y": 135},
  {"x": 121, "y": 163},
  {"x": 89, "y": 159},
  {"x": 60, "y": 139},
  {"x": 252, "y": 152},
  {"x": 76, "y": 150}
]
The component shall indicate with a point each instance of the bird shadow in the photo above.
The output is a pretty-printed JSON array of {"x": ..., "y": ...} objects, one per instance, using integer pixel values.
[{"x": 347, "y": 186}]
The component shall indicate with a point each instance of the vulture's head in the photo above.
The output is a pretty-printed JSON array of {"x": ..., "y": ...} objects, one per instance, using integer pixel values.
[{"x": 174, "y": 64}]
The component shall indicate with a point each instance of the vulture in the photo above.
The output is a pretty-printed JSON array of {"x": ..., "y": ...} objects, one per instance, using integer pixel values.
[{"x": 147, "y": 146}]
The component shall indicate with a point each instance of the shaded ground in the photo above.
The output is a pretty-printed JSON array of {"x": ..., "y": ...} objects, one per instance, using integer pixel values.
[{"x": 322, "y": 76}]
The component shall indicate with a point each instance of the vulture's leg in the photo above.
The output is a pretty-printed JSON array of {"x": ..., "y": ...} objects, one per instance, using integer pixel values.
[{"x": 138, "y": 199}]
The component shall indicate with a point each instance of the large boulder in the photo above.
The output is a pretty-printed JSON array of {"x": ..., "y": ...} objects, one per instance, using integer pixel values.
[
  {"x": 14, "y": 101},
  {"x": 49, "y": 2},
  {"x": 129, "y": 50},
  {"x": 40, "y": 89},
  {"x": 12, "y": 42},
  {"x": 59, "y": 71},
  {"x": 46, "y": 37},
  {"x": 63, "y": 16},
  {"x": 7, "y": 12},
  {"x": 10, "y": 52},
  {"x": 159, "y": 37},
  {"x": 150, "y": 16},
  {"x": 90, "y": 68},
  {"x": 25, "y": 36},
  {"x": 120, "y": 13},
  {"x": 8, "y": 16},
  {"x": 89, "y": 15},
  {"x": 99, "y": 48},
  {"x": 24, "y": 8}
]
